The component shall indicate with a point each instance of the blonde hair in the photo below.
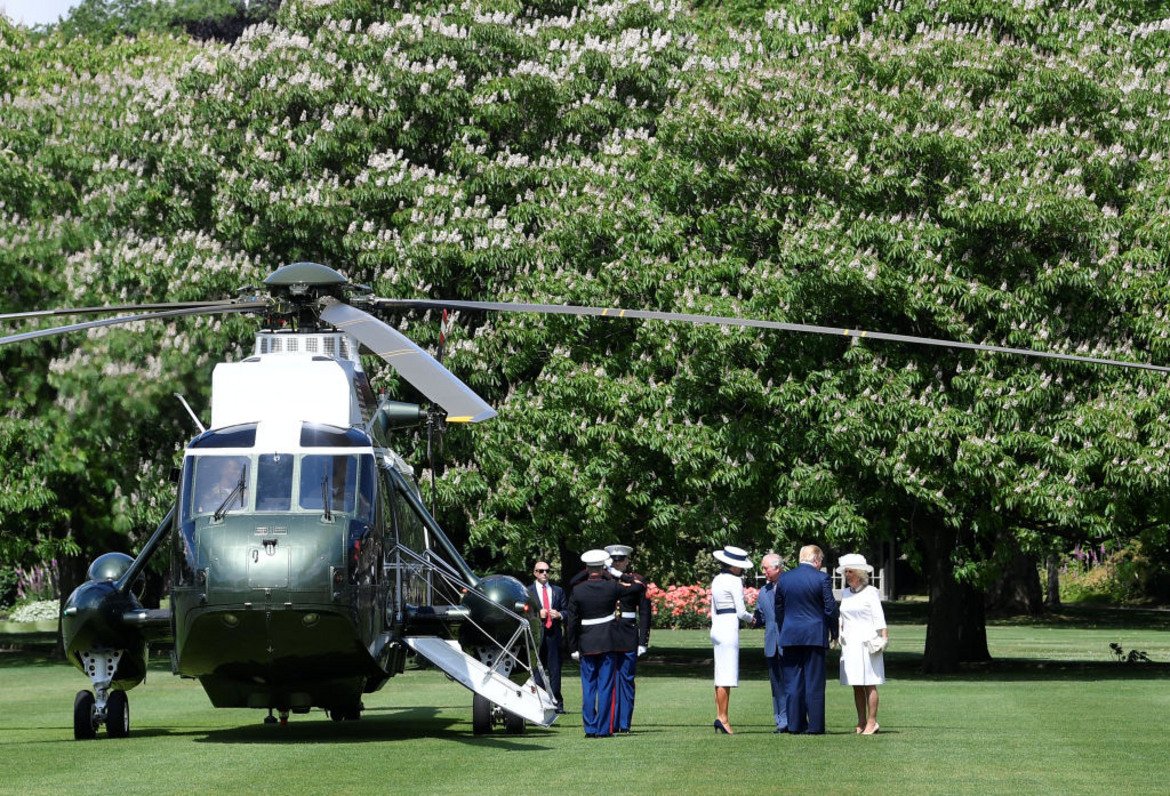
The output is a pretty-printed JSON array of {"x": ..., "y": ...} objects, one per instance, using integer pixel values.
[{"x": 862, "y": 576}]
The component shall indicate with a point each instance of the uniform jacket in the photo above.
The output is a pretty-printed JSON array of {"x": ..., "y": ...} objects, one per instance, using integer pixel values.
[
  {"x": 632, "y": 631},
  {"x": 805, "y": 608},
  {"x": 592, "y": 599},
  {"x": 765, "y": 615},
  {"x": 557, "y": 602}
]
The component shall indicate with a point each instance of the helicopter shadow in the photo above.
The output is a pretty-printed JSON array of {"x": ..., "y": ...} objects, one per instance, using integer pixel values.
[{"x": 393, "y": 724}]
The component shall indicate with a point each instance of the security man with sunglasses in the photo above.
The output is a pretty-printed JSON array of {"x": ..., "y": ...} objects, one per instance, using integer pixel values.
[{"x": 551, "y": 600}]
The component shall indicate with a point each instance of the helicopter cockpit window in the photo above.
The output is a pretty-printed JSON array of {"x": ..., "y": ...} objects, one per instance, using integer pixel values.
[
  {"x": 328, "y": 482},
  {"x": 317, "y": 435},
  {"x": 216, "y": 478},
  {"x": 274, "y": 482},
  {"x": 243, "y": 436}
]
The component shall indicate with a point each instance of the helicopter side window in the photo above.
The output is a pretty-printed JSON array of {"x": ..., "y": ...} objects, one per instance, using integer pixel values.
[
  {"x": 274, "y": 482},
  {"x": 216, "y": 478},
  {"x": 332, "y": 478}
]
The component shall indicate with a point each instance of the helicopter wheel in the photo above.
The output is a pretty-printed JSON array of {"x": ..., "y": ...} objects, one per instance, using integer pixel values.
[
  {"x": 513, "y": 724},
  {"x": 118, "y": 714},
  {"x": 481, "y": 715},
  {"x": 83, "y": 716}
]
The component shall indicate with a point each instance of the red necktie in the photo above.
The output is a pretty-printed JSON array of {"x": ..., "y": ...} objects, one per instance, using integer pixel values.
[{"x": 547, "y": 607}]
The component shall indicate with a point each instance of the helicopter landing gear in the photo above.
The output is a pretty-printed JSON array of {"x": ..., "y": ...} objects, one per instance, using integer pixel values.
[
  {"x": 84, "y": 716},
  {"x": 485, "y": 713},
  {"x": 346, "y": 712},
  {"x": 513, "y": 724},
  {"x": 118, "y": 714},
  {"x": 89, "y": 713},
  {"x": 270, "y": 719},
  {"x": 103, "y": 705}
]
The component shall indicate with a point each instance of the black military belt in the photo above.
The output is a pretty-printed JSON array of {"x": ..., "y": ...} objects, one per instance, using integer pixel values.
[{"x": 725, "y": 610}]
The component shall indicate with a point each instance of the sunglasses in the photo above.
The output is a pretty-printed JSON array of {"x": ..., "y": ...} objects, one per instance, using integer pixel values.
[
  {"x": 538, "y": 571},
  {"x": 619, "y": 558}
]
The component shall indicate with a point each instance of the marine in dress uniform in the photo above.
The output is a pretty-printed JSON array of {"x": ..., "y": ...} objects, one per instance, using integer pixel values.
[
  {"x": 631, "y": 638},
  {"x": 592, "y": 610}
]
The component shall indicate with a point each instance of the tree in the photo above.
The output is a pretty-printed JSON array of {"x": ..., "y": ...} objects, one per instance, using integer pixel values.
[{"x": 945, "y": 170}]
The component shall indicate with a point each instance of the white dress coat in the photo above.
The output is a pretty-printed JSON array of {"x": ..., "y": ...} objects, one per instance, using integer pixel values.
[
  {"x": 727, "y": 595},
  {"x": 861, "y": 618}
]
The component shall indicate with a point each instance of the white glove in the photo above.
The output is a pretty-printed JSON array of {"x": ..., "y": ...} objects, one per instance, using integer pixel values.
[
  {"x": 576, "y": 656},
  {"x": 641, "y": 650},
  {"x": 617, "y": 573},
  {"x": 609, "y": 561}
]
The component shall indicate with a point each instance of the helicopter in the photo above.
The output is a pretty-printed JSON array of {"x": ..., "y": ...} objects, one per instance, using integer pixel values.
[{"x": 304, "y": 566}]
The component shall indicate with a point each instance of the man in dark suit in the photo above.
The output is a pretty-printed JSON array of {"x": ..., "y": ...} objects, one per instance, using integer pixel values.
[
  {"x": 765, "y": 617},
  {"x": 551, "y": 600},
  {"x": 807, "y": 615}
]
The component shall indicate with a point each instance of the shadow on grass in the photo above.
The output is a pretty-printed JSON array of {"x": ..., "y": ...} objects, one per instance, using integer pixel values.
[
  {"x": 665, "y": 661},
  {"x": 393, "y": 724},
  {"x": 1083, "y": 616}
]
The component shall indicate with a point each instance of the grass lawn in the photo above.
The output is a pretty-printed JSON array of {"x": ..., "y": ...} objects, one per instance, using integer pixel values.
[{"x": 1052, "y": 714}]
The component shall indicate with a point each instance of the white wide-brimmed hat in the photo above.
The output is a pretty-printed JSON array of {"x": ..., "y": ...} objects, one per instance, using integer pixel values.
[
  {"x": 853, "y": 561},
  {"x": 594, "y": 558},
  {"x": 734, "y": 557}
]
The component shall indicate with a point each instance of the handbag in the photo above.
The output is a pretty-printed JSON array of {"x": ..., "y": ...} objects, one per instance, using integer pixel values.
[{"x": 876, "y": 644}]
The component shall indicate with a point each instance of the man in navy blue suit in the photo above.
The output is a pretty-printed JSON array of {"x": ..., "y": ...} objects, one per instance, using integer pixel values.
[
  {"x": 551, "y": 600},
  {"x": 807, "y": 615},
  {"x": 765, "y": 617}
]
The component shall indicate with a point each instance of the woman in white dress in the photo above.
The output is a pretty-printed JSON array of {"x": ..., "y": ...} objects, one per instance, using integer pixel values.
[
  {"x": 727, "y": 609},
  {"x": 862, "y": 621}
]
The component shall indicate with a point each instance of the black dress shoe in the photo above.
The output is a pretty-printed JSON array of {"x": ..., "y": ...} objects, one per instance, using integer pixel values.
[
  {"x": 561, "y": 711},
  {"x": 779, "y": 730},
  {"x": 590, "y": 735}
]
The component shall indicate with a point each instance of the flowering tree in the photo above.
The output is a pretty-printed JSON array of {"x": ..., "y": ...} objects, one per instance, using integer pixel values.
[{"x": 948, "y": 169}]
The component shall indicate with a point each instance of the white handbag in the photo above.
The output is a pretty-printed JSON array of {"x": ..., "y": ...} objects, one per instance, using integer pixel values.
[{"x": 876, "y": 644}]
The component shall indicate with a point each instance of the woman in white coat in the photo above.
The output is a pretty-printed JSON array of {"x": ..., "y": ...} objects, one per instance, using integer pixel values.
[
  {"x": 727, "y": 609},
  {"x": 863, "y": 637}
]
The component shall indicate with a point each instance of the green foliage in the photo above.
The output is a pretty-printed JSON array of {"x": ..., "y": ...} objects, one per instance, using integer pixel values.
[
  {"x": 1124, "y": 576},
  {"x": 105, "y": 20},
  {"x": 979, "y": 171}
]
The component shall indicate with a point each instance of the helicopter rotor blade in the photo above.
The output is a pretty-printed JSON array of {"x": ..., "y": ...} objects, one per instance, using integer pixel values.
[
  {"x": 12, "y": 316},
  {"x": 651, "y": 315},
  {"x": 216, "y": 309},
  {"x": 418, "y": 367}
]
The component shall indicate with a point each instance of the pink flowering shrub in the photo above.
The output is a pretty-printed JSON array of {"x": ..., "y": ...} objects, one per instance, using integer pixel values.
[{"x": 687, "y": 607}]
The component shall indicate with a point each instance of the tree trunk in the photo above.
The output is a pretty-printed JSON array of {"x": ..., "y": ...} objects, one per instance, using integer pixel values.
[
  {"x": 956, "y": 630},
  {"x": 71, "y": 571},
  {"x": 1052, "y": 565},
  {"x": 1018, "y": 589}
]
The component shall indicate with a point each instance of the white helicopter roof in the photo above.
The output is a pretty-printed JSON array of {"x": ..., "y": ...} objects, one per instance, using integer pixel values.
[{"x": 285, "y": 387}]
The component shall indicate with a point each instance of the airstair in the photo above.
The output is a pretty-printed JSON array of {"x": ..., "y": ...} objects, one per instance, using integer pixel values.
[{"x": 528, "y": 700}]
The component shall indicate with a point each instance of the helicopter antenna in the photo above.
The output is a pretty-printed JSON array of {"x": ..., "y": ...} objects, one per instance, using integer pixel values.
[{"x": 191, "y": 412}]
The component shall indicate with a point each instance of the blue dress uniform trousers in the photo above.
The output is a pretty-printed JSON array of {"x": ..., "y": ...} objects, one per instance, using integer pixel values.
[
  {"x": 622, "y": 712},
  {"x": 597, "y": 673}
]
